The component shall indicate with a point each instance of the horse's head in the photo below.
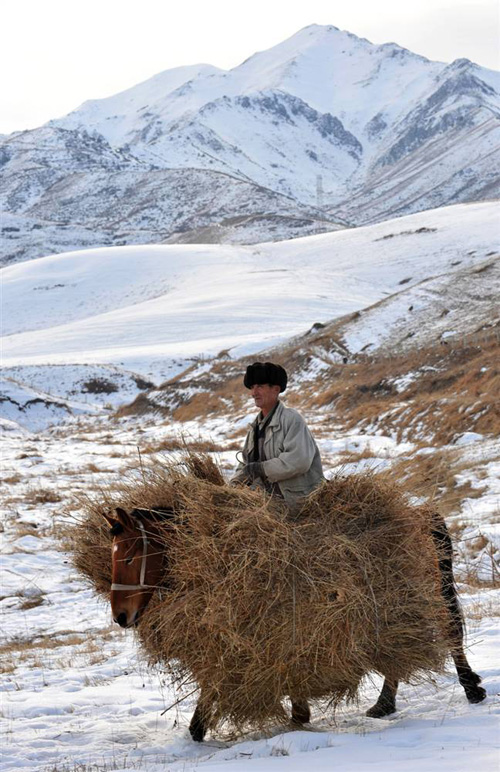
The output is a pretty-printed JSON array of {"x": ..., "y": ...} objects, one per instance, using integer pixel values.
[{"x": 137, "y": 560}]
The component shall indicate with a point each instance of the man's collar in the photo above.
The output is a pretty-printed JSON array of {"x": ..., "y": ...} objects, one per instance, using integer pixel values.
[
  {"x": 271, "y": 417},
  {"x": 276, "y": 414}
]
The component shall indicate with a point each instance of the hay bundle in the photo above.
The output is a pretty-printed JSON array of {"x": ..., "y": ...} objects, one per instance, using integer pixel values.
[{"x": 259, "y": 608}]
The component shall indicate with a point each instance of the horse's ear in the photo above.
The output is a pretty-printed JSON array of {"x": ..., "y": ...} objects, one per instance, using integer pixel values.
[
  {"x": 111, "y": 521},
  {"x": 123, "y": 517}
]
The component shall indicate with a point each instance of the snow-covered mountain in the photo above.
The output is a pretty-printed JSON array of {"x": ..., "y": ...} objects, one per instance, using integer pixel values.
[{"x": 321, "y": 129}]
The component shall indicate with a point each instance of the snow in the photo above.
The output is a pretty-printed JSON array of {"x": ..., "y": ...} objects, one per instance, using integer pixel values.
[
  {"x": 359, "y": 443},
  {"x": 76, "y": 693},
  {"x": 37, "y": 408},
  {"x": 467, "y": 437},
  {"x": 152, "y": 309},
  {"x": 349, "y": 66},
  {"x": 35, "y": 395}
]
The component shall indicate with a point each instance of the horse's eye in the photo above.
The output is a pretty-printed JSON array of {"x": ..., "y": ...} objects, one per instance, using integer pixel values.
[{"x": 129, "y": 560}]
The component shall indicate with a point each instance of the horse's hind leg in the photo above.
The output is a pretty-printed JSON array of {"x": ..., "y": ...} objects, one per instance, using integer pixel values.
[
  {"x": 300, "y": 712},
  {"x": 201, "y": 717},
  {"x": 386, "y": 703},
  {"x": 468, "y": 679}
]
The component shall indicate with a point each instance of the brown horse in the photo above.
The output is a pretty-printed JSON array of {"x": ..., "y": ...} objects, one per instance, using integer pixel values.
[{"x": 139, "y": 557}]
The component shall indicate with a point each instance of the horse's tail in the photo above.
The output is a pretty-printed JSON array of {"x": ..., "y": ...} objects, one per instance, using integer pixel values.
[{"x": 444, "y": 549}]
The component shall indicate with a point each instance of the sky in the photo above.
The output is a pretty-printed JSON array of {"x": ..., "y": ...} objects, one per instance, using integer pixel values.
[{"x": 56, "y": 54}]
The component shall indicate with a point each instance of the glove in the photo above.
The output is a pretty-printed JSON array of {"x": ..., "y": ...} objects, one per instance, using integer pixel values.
[{"x": 253, "y": 471}]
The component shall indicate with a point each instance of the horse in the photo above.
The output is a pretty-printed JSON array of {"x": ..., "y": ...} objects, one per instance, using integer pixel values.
[{"x": 138, "y": 566}]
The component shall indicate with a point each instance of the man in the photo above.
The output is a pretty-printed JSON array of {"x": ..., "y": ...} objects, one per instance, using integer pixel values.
[{"x": 280, "y": 454}]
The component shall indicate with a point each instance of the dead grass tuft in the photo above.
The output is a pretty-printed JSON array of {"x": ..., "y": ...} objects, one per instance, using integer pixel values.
[
  {"x": 23, "y": 528},
  {"x": 12, "y": 480},
  {"x": 32, "y": 602},
  {"x": 99, "y": 386},
  {"x": 41, "y": 496}
]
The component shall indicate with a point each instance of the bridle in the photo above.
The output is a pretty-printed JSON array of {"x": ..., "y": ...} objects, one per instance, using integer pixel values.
[{"x": 141, "y": 585}]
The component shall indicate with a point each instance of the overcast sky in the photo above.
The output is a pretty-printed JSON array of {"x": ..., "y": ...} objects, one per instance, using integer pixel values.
[{"x": 55, "y": 54}]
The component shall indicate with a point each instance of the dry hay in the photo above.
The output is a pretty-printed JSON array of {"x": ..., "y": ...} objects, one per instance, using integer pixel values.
[{"x": 257, "y": 608}]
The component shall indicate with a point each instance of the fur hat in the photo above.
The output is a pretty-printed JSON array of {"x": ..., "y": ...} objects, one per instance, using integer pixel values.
[{"x": 265, "y": 372}]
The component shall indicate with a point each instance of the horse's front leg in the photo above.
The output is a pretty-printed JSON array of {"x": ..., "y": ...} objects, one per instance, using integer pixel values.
[
  {"x": 386, "y": 703},
  {"x": 201, "y": 717}
]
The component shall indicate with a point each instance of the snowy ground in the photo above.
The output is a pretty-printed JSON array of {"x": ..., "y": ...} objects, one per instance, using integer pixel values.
[{"x": 76, "y": 696}]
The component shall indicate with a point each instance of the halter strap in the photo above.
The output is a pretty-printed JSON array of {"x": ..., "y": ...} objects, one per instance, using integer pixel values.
[{"x": 141, "y": 585}]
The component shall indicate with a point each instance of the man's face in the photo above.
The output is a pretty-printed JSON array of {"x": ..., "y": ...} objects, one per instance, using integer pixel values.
[{"x": 265, "y": 396}]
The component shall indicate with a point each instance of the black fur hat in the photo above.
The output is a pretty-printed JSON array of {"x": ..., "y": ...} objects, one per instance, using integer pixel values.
[{"x": 265, "y": 372}]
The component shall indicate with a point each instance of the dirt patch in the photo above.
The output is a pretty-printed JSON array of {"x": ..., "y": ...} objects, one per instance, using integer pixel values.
[{"x": 99, "y": 386}]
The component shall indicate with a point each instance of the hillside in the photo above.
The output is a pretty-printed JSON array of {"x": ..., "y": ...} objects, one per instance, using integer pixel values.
[
  {"x": 299, "y": 139},
  {"x": 390, "y": 333},
  {"x": 155, "y": 307},
  {"x": 98, "y": 328}
]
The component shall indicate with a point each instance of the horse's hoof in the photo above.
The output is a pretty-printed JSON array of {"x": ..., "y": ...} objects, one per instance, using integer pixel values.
[
  {"x": 379, "y": 711},
  {"x": 478, "y": 694},
  {"x": 197, "y": 731},
  {"x": 299, "y": 721}
]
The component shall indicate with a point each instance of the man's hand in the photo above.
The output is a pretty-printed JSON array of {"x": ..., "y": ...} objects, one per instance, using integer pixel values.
[{"x": 253, "y": 471}]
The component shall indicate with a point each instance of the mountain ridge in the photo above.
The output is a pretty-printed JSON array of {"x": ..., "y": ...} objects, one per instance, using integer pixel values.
[{"x": 335, "y": 128}]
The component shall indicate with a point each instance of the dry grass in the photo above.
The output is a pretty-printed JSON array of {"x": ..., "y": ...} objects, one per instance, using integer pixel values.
[
  {"x": 454, "y": 392},
  {"x": 488, "y": 606},
  {"x": 352, "y": 457},
  {"x": 88, "y": 539},
  {"x": 186, "y": 444},
  {"x": 479, "y": 568},
  {"x": 41, "y": 496},
  {"x": 256, "y": 608},
  {"x": 116, "y": 764},
  {"x": 12, "y": 480},
  {"x": 434, "y": 476},
  {"x": 23, "y": 528},
  {"x": 226, "y": 397},
  {"x": 51, "y": 652},
  {"x": 31, "y": 602}
]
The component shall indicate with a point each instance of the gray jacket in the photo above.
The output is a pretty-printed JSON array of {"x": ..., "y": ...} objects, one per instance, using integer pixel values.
[{"x": 292, "y": 456}]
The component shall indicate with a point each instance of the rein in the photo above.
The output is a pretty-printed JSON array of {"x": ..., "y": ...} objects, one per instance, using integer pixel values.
[{"x": 141, "y": 585}]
